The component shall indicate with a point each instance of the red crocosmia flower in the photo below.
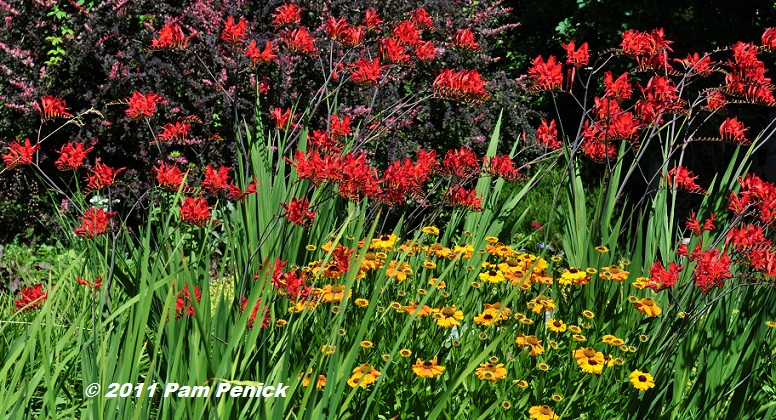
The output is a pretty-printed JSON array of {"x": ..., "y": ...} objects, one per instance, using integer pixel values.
[
  {"x": 19, "y": 154},
  {"x": 102, "y": 176},
  {"x": 170, "y": 37},
  {"x": 142, "y": 106},
  {"x": 461, "y": 163},
  {"x": 769, "y": 39},
  {"x": 660, "y": 278},
  {"x": 637, "y": 43},
  {"x": 421, "y": 17},
  {"x": 340, "y": 127},
  {"x": 747, "y": 76},
  {"x": 733, "y": 130},
  {"x": 195, "y": 211},
  {"x": 366, "y": 72},
  {"x": 286, "y": 14},
  {"x": 357, "y": 178},
  {"x": 425, "y": 51},
  {"x": 406, "y": 33},
  {"x": 183, "y": 301},
  {"x": 234, "y": 32},
  {"x": 715, "y": 100},
  {"x": 94, "y": 222},
  {"x": 464, "y": 38},
  {"x": 168, "y": 177},
  {"x": 71, "y": 156},
  {"x": 576, "y": 58},
  {"x": 459, "y": 196},
  {"x": 464, "y": 85},
  {"x": 320, "y": 140},
  {"x": 502, "y": 166},
  {"x": 282, "y": 118},
  {"x": 712, "y": 270},
  {"x": 235, "y": 193},
  {"x": 292, "y": 284},
  {"x": 52, "y": 107},
  {"x": 392, "y": 51},
  {"x": 261, "y": 57},
  {"x": 695, "y": 225},
  {"x": 547, "y": 135},
  {"x": 536, "y": 225},
  {"x": 216, "y": 180},
  {"x": 681, "y": 178},
  {"x": 605, "y": 108},
  {"x": 96, "y": 284},
  {"x": 174, "y": 131},
  {"x": 298, "y": 212},
  {"x": 598, "y": 151},
  {"x": 254, "y": 312},
  {"x": 696, "y": 64},
  {"x": 372, "y": 19},
  {"x": 619, "y": 89},
  {"x": 747, "y": 237},
  {"x": 353, "y": 35},
  {"x": 336, "y": 28},
  {"x": 31, "y": 297},
  {"x": 299, "y": 40},
  {"x": 546, "y": 75}
]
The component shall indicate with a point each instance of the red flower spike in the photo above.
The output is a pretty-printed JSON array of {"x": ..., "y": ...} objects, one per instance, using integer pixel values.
[
  {"x": 142, "y": 106},
  {"x": 254, "y": 312},
  {"x": 681, "y": 178},
  {"x": 52, "y": 107},
  {"x": 31, "y": 297},
  {"x": 746, "y": 238},
  {"x": 336, "y": 28},
  {"x": 372, "y": 19},
  {"x": 234, "y": 192},
  {"x": 660, "y": 278},
  {"x": 464, "y": 85},
  {"x": 502, "y": 166},
  {"x": 769, "y": 39},
  {"x": 183, "y": 301},
  {"x": 234, "y": 32},
  {"x": 195, "y": 211},
  {"x": 733, "y": 130},
  {"x": 366, "y": 72},
  {"x": 169, "y": 177},
  {"x": 94, "y": 222},
  {"x": 712, "y": 270},
  {"x": 281, "y": 118},
  {"x": 392, "y": 51},
  {"x": 425, "y": 51},
  {"x": 19, "y": 154},
  {"x": 547, "y": 135},
  {"x": 353, "y": 35},
  {"x": 71, "y": 156},
  {"x": 261, "y": 57},
  {"x": 421, "y": 17},
  {"x": 170, "y": 38},
  {"x": 715, "y": 100},
  {"x": 286, "y": 14},
  {"x": 619, "y": 89},
  {"x": 173, "y": 131},
  {"x": 577, "y": 58},
  {"x": 298, "y": 212},
  {"x": 695, "y": 64},
  {"x": 299, "y": 40},
  {"x": 102, "y": 176},
  {"x": 464, "y": 39},
  {"x": 461, "y": 163},
  {"x": 406, "y": 33},
  {"x": 546, "y": 75},
  {"x": 216, "y": 181},
  {"x": 459, "y": 196},
  {"x": 96, "y": 284},
  {"x": 340, "y": 127}
]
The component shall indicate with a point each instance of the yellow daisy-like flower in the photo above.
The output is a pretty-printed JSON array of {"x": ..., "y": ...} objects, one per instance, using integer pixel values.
[
  {"x": 438, "y": 250},
  {"x": 371, "y": 262},
  {"x": 541, "y": 304},
  {"x": 327, "y": 349},
  {"x": 521, "y": 383},
  {"x": 491, "y": 372},
  {"x": 491, "y": 239},
  {"x": 542, "y": 412},
  {"x": 413, "y": 306},
  {"x": 448, "y": 317},
  {"x": 589, "y": 360},
  {"x": 771, "y": 324},
  {"x": 573, "y": 276},
  {"x": 579, "y": 337},
  {"x": 436, "y": 283},
  {"x": 530, "y": 342},
  {"x": 640, "y": 283},
  {"x": 334, "y": 293},
  {"x": 556, "y": 325},
  {"x": 384, "y": 242},
  {"x": 430, "y": 230},
  {"x": 367, "y": 344},
  {"x": 614, "y": 273},
  {"x": 280, "y": 323},
  {"x": 405, "y": 352},
  {"x": 492, "y": 276},
  {"x": 363, "y": 376},
  {"x": 648, "y": 307},
  {"x": 642, "y": 380},
  {"x": 588, "y": 314},
  {"x": 362, "y": 302},
  {"x": 575, "y": 329},
  {"x": 319, "y": 383},
  {"x": 428, "y": 368},
  {"x": 489, "y": 317},
  {"x": 465, "y": 250},
  {"x": 429, "y": 264},
  {"x": 311, "y": 247},
  {"x": 602, "y": 249}
]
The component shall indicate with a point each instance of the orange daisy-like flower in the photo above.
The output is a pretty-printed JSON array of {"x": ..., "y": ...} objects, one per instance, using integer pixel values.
[
  {"x": 363, "y": 376},
  {"x": 648, "y": 307},
  {"x": 490, "y": 316},
  {"x": 424, "y": 311},
  {"x": 399, "y": 271},
  {"x": 427, "y": 369},
  {"x": 319, "y": 383},
  {"x": 530, "y": 342},
  {"x": 641, "y": 380},
  {"x": 542, "y": 412},
  {"x": 491, "y": 372},
  {"x": 334, "y": 293},
  {"x": 541, "y": 304},
  {"x": 614, "y": 273},
  {"x": 555, "y": 325},
  {"x": 448, "y": 317},
  {"x": 590, "y": 360}
]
